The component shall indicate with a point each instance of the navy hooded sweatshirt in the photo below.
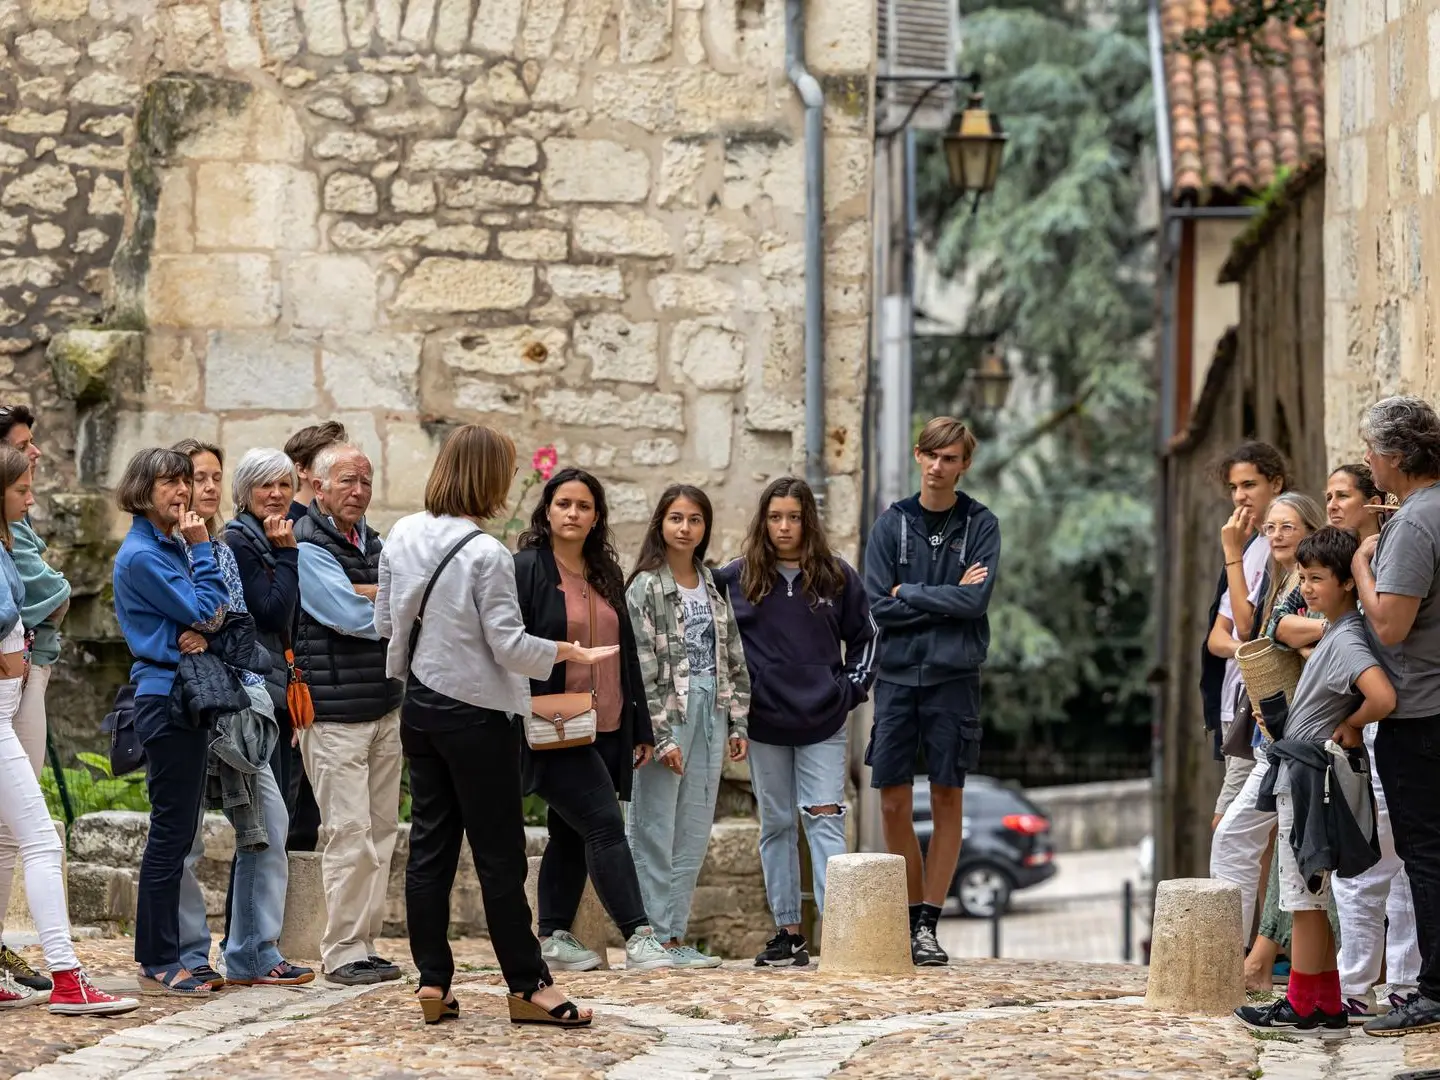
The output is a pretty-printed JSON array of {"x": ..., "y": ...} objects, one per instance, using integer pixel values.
[
  {"x": 934, "y": 629},
  {"x": 801, "y": 686}
]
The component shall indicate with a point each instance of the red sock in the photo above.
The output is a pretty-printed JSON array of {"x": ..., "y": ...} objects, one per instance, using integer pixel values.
[
  {"x": 1301, "y": 991},
  {"x": 1327, "y": 991}
]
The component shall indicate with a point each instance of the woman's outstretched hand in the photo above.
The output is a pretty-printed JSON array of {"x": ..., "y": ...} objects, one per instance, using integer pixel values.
[{"x": 589, "y": 656}]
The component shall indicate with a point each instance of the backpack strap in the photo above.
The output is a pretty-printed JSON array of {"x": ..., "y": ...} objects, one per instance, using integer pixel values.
[{"x": 425, "y": 597}]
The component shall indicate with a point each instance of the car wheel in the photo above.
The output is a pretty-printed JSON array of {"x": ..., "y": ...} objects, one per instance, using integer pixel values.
[{"x": 983, "y": 889}]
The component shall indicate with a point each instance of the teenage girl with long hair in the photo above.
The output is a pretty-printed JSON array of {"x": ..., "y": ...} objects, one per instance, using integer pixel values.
[
  {"x": 809, "y": 645},
  {"x": 696, "y": 686}
]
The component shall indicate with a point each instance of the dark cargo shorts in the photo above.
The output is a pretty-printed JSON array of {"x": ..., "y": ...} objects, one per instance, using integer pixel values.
[{"x": 943, "y": 720}]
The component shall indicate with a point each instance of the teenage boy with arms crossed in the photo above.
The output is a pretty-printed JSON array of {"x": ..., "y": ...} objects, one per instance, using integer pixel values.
[
  {"x": 1342, "y": 688},
  {"x": 930, "y": 568}
]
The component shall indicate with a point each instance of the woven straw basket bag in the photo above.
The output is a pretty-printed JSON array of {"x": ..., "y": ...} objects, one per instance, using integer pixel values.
[{"x": 1266, "y": 668}]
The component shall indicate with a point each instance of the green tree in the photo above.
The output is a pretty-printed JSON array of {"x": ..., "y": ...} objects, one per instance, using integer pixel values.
[
  {"x": 1061, "y": 271},
  {"x": 1244, "y": 24}
]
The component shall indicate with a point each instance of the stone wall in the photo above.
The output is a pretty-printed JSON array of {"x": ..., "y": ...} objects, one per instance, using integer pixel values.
[
  {"x": 1382, "y": 226},
  {"x": 580, "y": 221}
]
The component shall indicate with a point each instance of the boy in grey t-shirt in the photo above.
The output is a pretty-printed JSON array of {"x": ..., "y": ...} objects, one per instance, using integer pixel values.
[{"x": 1342, "y": 688}]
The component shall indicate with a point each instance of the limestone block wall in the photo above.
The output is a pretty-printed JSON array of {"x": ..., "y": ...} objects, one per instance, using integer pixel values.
[{"x": 1382, "y": 211}]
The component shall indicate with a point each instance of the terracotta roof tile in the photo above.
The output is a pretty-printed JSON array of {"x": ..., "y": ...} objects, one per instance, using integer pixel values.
[{"x": 1235, "y": 122}]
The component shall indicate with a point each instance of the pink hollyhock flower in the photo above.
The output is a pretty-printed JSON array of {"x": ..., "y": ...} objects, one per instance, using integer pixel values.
[{"x": 544, "y": 461}]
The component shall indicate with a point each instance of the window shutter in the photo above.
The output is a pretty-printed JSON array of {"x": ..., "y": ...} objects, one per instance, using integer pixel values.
[{"x": 918, "y": 38}]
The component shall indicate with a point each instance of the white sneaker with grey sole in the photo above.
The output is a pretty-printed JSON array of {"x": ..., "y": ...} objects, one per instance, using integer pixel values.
[
  {"x": 562, "y": 952},
  {"x": 643, "y": 952}
]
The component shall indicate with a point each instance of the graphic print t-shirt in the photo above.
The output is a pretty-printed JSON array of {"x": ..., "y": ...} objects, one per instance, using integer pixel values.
[{"x": 699, "y": 629}]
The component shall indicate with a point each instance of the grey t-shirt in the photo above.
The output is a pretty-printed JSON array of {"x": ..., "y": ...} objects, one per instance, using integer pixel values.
[
  {"x": 1326, "y": 696},
  {"x": 699, "y": 628},
  {"x": 1407, "y": 563}
]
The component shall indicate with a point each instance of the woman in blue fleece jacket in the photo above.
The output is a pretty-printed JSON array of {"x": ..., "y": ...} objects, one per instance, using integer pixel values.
[
  {"x": 810, "y": 644},
  {"x": 159, "y": 597}
]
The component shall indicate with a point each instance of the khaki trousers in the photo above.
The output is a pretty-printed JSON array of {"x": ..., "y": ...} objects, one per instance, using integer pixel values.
[
  {"x": 355, "y": 771},
  {"x": 29, "y": 726}
]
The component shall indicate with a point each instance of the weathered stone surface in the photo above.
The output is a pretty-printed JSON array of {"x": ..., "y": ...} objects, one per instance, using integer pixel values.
[
  {"x": 350, "y": 145},
  {"x": 645, "y": 30},
  {"x": 496, "y": 25},
  {"x": 619, "y": 350},
  {"x": 595, "y": 170},
  {"x": 236, "y": 290},
  {"x": 503, "y": 350},
  {"x": 534, "y": 245},
  {"x": 42, "y": 272},
  {"x": 696, "y": 293},
  {"x": 867, "y": 925},
  {"x": 619, "y": 232},
  {"x": 252, "y": 205},
  {"x": 484, "y": 192},
  {"x": 412, "y": 197},
  {"x": 330, "y": 292},
  {"x": 459, "y": 238},
  {"x": 714, "y": 424},
  {"x": 17, "y": 915},
  {"x": 709, "y": 352},
  {"x": 105, "y": 88},
  {"x": 91, "y": 365},
  {"x": 250, "y": 370},
  {"x": 518, "y": 153},
  {"x": 579, "y": 282},
  {"x": 31, "y": 122},
  {"x": 305, "y": 914},
  {"x": 43, "y": 49},
  {"x": 445, "y": 155},
  {"x": 1197, "y": 948},
  {"x": 639, "y": 96},
  {"x": 447, "y": 285},
  {"x": 47, "y": 188},
  {"x": 662, "y": 412},
  {"x": 99, "y": 895},
  {"x": 371, "y": 370},
  {"x": 349, "y": 193},
  {"x": 682, "y": 161},
  {"x": 352, "y": 236}
]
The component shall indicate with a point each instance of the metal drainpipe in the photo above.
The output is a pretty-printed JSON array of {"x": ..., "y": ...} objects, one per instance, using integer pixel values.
[{"x": 813, "y": 98}]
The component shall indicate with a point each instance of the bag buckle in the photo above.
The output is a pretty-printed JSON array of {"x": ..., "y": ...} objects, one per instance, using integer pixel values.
[{"x": 559, "y": 722}]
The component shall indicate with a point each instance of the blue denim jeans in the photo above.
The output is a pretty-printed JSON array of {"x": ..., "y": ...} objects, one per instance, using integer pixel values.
[
  {"x": 787, "y": 779},
  {"x": 257, "y": 897},
  {"x": 670, "y": 816}
]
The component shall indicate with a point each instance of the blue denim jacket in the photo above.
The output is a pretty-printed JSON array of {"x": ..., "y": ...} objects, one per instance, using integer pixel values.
[{"x": 12, "y": 593}]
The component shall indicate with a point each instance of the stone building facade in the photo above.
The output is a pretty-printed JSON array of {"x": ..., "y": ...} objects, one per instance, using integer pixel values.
[
  {"x": 578, "y": 220},
  {"x": 1382, "y": 210}
]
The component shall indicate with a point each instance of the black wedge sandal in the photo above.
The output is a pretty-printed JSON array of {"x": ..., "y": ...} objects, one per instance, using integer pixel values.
[{"x": 525, "y": 1011}]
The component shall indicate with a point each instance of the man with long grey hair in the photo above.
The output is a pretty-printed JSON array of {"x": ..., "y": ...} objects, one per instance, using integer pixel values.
[{"x": 1397, "y": 577}]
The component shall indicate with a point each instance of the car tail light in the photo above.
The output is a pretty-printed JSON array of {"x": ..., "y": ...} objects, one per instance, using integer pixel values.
[
  {"x": 1028, "y": 824},
  {"x": 1039, "y": 858}
]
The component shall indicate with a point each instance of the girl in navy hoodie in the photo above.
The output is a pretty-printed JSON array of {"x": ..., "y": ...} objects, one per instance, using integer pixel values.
[{"x": 809, "y": 642}]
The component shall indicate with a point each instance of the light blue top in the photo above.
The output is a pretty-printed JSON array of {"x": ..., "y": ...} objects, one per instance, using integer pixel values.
[
  {"x": 12, "y": 594},
  {"x": 329, "y": 598}
]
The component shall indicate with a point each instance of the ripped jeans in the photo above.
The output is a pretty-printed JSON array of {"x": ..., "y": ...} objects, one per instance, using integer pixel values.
[{"x": 789, "y": 780}]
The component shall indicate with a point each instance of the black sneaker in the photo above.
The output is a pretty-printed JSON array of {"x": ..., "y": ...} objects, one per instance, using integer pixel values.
[
  {"x": 1418, "y": 1013},
  {"x": 784, "y": 950},
  {"x": 14, "y": 965},
  {"x": 386, "y": 969},
  {"x": 357, "y": 973},
  {"x": 1280, "y": 1015},
  {"x": 1398, "y": 1000},
  {"x": 925, "y": 951}
]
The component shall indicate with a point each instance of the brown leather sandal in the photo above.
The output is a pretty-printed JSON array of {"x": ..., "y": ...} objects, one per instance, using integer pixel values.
[{"x": 525, "y": 1011}]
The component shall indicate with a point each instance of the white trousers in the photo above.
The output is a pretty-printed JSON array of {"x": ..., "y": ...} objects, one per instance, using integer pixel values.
[
  {"x": 29, "y": 727},
  {"x": 1365, "y": 902},
  {"x": 1238, "y": 846}
]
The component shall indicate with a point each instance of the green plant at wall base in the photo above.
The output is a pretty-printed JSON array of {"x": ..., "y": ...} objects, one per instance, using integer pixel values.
[{"x": 95, "y": 788}]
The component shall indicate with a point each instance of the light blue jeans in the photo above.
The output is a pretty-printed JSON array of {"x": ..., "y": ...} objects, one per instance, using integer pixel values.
[
  {"x": 787, "y": 779},
  {"x": 670, "y": 816},
  {"x": 257, "y": 897}
]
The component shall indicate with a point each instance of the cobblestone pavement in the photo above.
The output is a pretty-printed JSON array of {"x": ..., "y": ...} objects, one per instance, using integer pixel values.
[{"x": 1026, "y": 1019}]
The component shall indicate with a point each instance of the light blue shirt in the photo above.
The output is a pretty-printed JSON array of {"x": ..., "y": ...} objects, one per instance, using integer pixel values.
[{"x": 328, "y": 597}]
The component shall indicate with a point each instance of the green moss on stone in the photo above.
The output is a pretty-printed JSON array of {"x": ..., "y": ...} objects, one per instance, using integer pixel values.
[
  {"x": 88, "y": 365},
  {"x": 848, "y": 93}
]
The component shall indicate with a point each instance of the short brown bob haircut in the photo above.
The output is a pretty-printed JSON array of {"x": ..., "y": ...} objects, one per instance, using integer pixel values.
[
  {"x": 309, "y": 441},
  {"x": 136, "y": 493},
  {"x": 471, "y": 477},
  {"x": 946, "y": 431}
]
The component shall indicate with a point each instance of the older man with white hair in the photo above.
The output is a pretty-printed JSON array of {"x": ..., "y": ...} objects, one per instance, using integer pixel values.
[{"x": 352, "y": 752}]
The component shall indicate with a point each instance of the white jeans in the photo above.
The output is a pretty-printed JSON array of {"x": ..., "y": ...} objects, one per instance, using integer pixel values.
[
  {"x": 29, "y": 725},
  {"x": 1238, "y": 845},
  {"x": 23, "y": 812},
  {"x": 1365, "y": 901}
]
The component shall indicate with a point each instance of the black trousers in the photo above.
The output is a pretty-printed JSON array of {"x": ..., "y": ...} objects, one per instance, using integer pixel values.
[
  {"x": 175, "y": 777},
  {"x": 587, "y": 836},
  {"x": 1407, "y": 757},
  {"x": 466, "y": 781}
]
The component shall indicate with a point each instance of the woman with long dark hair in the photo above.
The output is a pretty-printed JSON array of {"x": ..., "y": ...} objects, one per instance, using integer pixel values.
[
  {"x": 696, "y": 685},
  {"x": 809, "y": 646},
  {"x": 571, "y": 588}
]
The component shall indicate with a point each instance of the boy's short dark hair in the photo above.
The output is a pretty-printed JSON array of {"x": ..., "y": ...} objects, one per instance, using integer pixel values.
[
  {"x": 1269, "y": 463},
  {"x": 1329, "y": 548},
  {"x": 309, "y": 441}
]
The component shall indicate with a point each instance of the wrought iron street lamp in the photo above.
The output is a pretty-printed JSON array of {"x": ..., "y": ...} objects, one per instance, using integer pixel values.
[
  {"x": 974, "y": 148},
  {"x": 990, "y": 381}
]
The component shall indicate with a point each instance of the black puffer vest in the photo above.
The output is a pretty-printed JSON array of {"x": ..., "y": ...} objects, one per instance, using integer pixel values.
[{"x": 346, "y": 674}]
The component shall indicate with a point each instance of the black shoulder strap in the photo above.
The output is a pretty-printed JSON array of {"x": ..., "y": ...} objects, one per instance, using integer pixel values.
[{"x": 425, "y": 598}]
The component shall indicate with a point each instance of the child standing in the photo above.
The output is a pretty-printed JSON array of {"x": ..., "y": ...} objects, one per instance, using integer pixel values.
[
  {"x": 696, "y": 685},
  {"x": 1342, "y": 688}
]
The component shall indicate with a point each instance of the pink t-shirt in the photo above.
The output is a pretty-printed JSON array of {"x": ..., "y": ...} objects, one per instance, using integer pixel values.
[
  {"x": 1256, "y": 556},
  {"x": 606, "y": 632}
]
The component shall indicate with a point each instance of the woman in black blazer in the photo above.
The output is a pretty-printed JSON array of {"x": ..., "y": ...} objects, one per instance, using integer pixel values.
[{"x": 571, "y": 588}]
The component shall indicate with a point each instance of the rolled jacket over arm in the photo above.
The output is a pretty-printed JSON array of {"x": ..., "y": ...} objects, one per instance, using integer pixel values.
[{"x": 45, "y": 591}]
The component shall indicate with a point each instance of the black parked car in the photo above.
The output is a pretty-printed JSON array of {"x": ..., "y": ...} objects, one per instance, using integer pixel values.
[{"x": 1006, "y": 844}]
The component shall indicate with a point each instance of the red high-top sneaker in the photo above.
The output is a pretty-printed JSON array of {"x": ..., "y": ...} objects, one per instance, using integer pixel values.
[
  {"x": 13, "y": 994},
  {"x": 76, "y": 995}
]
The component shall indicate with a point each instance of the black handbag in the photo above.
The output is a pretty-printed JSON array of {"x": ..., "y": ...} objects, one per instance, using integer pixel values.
[{"x": 127, "y": 755}]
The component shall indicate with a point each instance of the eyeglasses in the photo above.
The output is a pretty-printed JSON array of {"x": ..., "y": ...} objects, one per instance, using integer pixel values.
[{"x": 1270, "y": 528}]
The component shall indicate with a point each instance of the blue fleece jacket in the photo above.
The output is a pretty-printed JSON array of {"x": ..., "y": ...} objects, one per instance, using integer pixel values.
[
  {"x": 801, "y": 686},
  {"x": 157, "y": 596},
  {"x": 934, "y": 629}
]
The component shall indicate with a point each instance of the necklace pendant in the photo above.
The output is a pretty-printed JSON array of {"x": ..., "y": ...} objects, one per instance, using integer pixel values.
[{"x": 935, "y": 541}]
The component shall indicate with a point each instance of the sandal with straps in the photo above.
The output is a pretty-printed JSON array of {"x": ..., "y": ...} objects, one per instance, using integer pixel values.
[
  {"x": 525, "y": 1011},
  {"x": 166, "y": 980}
]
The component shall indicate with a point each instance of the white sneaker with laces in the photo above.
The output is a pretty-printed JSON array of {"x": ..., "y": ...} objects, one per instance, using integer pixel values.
[
  {"x": 562, "y": 952},
  {"x": 643, "y": 952},
  {"x": 686, "y": 956},
  {"x": 13, "y": 994}
]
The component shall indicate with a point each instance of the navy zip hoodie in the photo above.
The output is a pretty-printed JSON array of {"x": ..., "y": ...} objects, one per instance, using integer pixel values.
[
  {"x": 801, "y": 687},
  {"x": 934, "y": 628}
]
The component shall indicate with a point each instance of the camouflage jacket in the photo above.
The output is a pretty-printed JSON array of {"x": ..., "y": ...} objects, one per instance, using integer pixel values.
[{"x": 657, "y": 616}]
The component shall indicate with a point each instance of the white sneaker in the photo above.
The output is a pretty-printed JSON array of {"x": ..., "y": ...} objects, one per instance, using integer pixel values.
[
  {"x": 643, "y": 952},
  {"x": 14, "y": 994},
  {"x": 686, "y": 956},
  {"x": 562, "y": 952}
]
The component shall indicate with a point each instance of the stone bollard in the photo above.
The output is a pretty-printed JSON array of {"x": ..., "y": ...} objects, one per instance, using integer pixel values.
[
  {"x": 532, "y": 891},
  {"x": 592, "y": 926},
  {"x": 17, "y": 916},
  {"x": 867, "y": 922},
  {"x": 305, "y": 914},
  {"x": 1197, "y": 948}
]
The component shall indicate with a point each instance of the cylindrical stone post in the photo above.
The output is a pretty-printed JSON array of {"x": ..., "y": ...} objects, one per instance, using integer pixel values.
[
  {"x": 1196, "y": 948},
  {"x": 305, "y": 914},
  {"x": 867, "y": 921}
]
